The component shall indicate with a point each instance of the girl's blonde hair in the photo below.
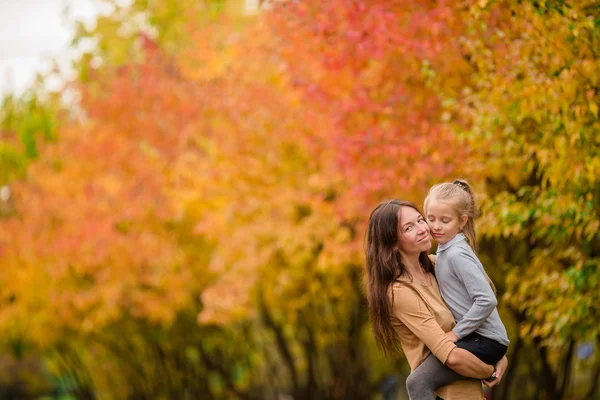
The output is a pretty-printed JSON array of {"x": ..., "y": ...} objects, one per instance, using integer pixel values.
[{"x": 460, "y": 195}]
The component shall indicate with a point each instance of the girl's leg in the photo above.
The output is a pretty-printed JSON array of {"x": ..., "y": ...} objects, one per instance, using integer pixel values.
[
  {"x": 487, "y": 350},
  {"x": 428, "y": 377}
]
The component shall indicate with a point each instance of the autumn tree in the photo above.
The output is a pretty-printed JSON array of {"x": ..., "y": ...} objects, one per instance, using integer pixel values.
[
  {"x": 530, "y": 119},
  {"x": 259, "y": 148},
  {"x": 199, "y": 229},
  {"x": 328, "y": 119}
]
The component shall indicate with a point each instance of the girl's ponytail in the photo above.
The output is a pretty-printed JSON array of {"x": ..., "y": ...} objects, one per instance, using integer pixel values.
[{"x": 472, "y": 212}]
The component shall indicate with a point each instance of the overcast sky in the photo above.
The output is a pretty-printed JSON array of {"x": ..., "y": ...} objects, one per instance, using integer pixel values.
[{"x": 32, "y": 32}]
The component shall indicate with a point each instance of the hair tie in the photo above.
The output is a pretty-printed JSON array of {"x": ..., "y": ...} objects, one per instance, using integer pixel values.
[{"x": 459, "y": 183}]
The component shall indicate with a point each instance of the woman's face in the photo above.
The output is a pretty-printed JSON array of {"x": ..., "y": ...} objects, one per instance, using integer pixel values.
[{"x": 413, "y": 232}]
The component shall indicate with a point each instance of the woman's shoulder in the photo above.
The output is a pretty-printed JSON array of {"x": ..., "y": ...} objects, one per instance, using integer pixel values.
[
  {"x": 400, "y": 283},
  {"x": 402, "y": 287},
  {"x": 404, "y": 297}
]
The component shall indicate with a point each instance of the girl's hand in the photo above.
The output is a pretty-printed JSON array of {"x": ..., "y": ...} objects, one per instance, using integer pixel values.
[{"x": 450, "y": 335}]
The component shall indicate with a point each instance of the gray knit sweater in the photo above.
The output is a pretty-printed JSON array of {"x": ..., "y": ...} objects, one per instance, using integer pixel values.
[{"x": 467, "y": 293}]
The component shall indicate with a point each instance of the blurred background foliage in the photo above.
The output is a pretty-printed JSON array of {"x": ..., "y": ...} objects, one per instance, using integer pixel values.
[{"x": 185, "y": 218}]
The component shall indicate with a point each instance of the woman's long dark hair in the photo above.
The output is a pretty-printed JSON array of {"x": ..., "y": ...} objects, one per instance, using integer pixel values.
[{"x": 383, "y": 266}]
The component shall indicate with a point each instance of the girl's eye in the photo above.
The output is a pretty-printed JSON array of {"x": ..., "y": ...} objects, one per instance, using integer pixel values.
[{"x": 408, "y": 228}]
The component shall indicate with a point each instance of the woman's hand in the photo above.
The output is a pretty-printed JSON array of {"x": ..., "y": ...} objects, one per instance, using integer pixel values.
[{"x": 500, "y": 368}]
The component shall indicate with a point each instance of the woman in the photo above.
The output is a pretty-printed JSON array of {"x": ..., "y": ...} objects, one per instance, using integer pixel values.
[{"x": 405, "y": 304}]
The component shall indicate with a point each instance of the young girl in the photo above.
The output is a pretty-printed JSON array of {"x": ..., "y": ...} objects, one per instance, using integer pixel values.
[{"x": 466, "y": 288}]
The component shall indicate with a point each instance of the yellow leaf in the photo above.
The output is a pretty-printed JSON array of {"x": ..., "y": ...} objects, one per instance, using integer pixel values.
[{"x": 594, "y": 109}]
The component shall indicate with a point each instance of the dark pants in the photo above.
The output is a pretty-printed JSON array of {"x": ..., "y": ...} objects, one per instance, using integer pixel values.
[{"x": 487, "y": 350}]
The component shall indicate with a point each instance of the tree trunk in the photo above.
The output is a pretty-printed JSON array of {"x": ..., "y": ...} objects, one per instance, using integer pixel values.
[
  {"x": 565, "y": 371},
  {"x": 547, "y": 378},
  {"x": 280, "y": 340},
  {"x": 510, "y": 373}
]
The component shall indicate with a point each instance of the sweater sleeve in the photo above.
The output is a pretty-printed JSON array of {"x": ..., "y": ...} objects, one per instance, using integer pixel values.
[
  {"x": 412, "y": 311},
  {"x": 464, "y": 266}
]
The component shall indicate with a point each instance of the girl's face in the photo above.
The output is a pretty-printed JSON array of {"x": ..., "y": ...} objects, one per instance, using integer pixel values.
[
  {"x": 413, "y": 232},
  {"x": 444, "y": 220}
]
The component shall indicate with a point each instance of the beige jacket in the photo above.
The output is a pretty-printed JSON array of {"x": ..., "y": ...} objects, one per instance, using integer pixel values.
[{"x": 421, "y": 318}]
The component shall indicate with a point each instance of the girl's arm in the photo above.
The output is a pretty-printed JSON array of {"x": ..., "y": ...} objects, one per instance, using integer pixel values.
[{"x": 466, "y": 269}]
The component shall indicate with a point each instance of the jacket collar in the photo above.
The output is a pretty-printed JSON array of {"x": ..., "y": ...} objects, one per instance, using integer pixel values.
[{"x": 458, "y": 238}]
